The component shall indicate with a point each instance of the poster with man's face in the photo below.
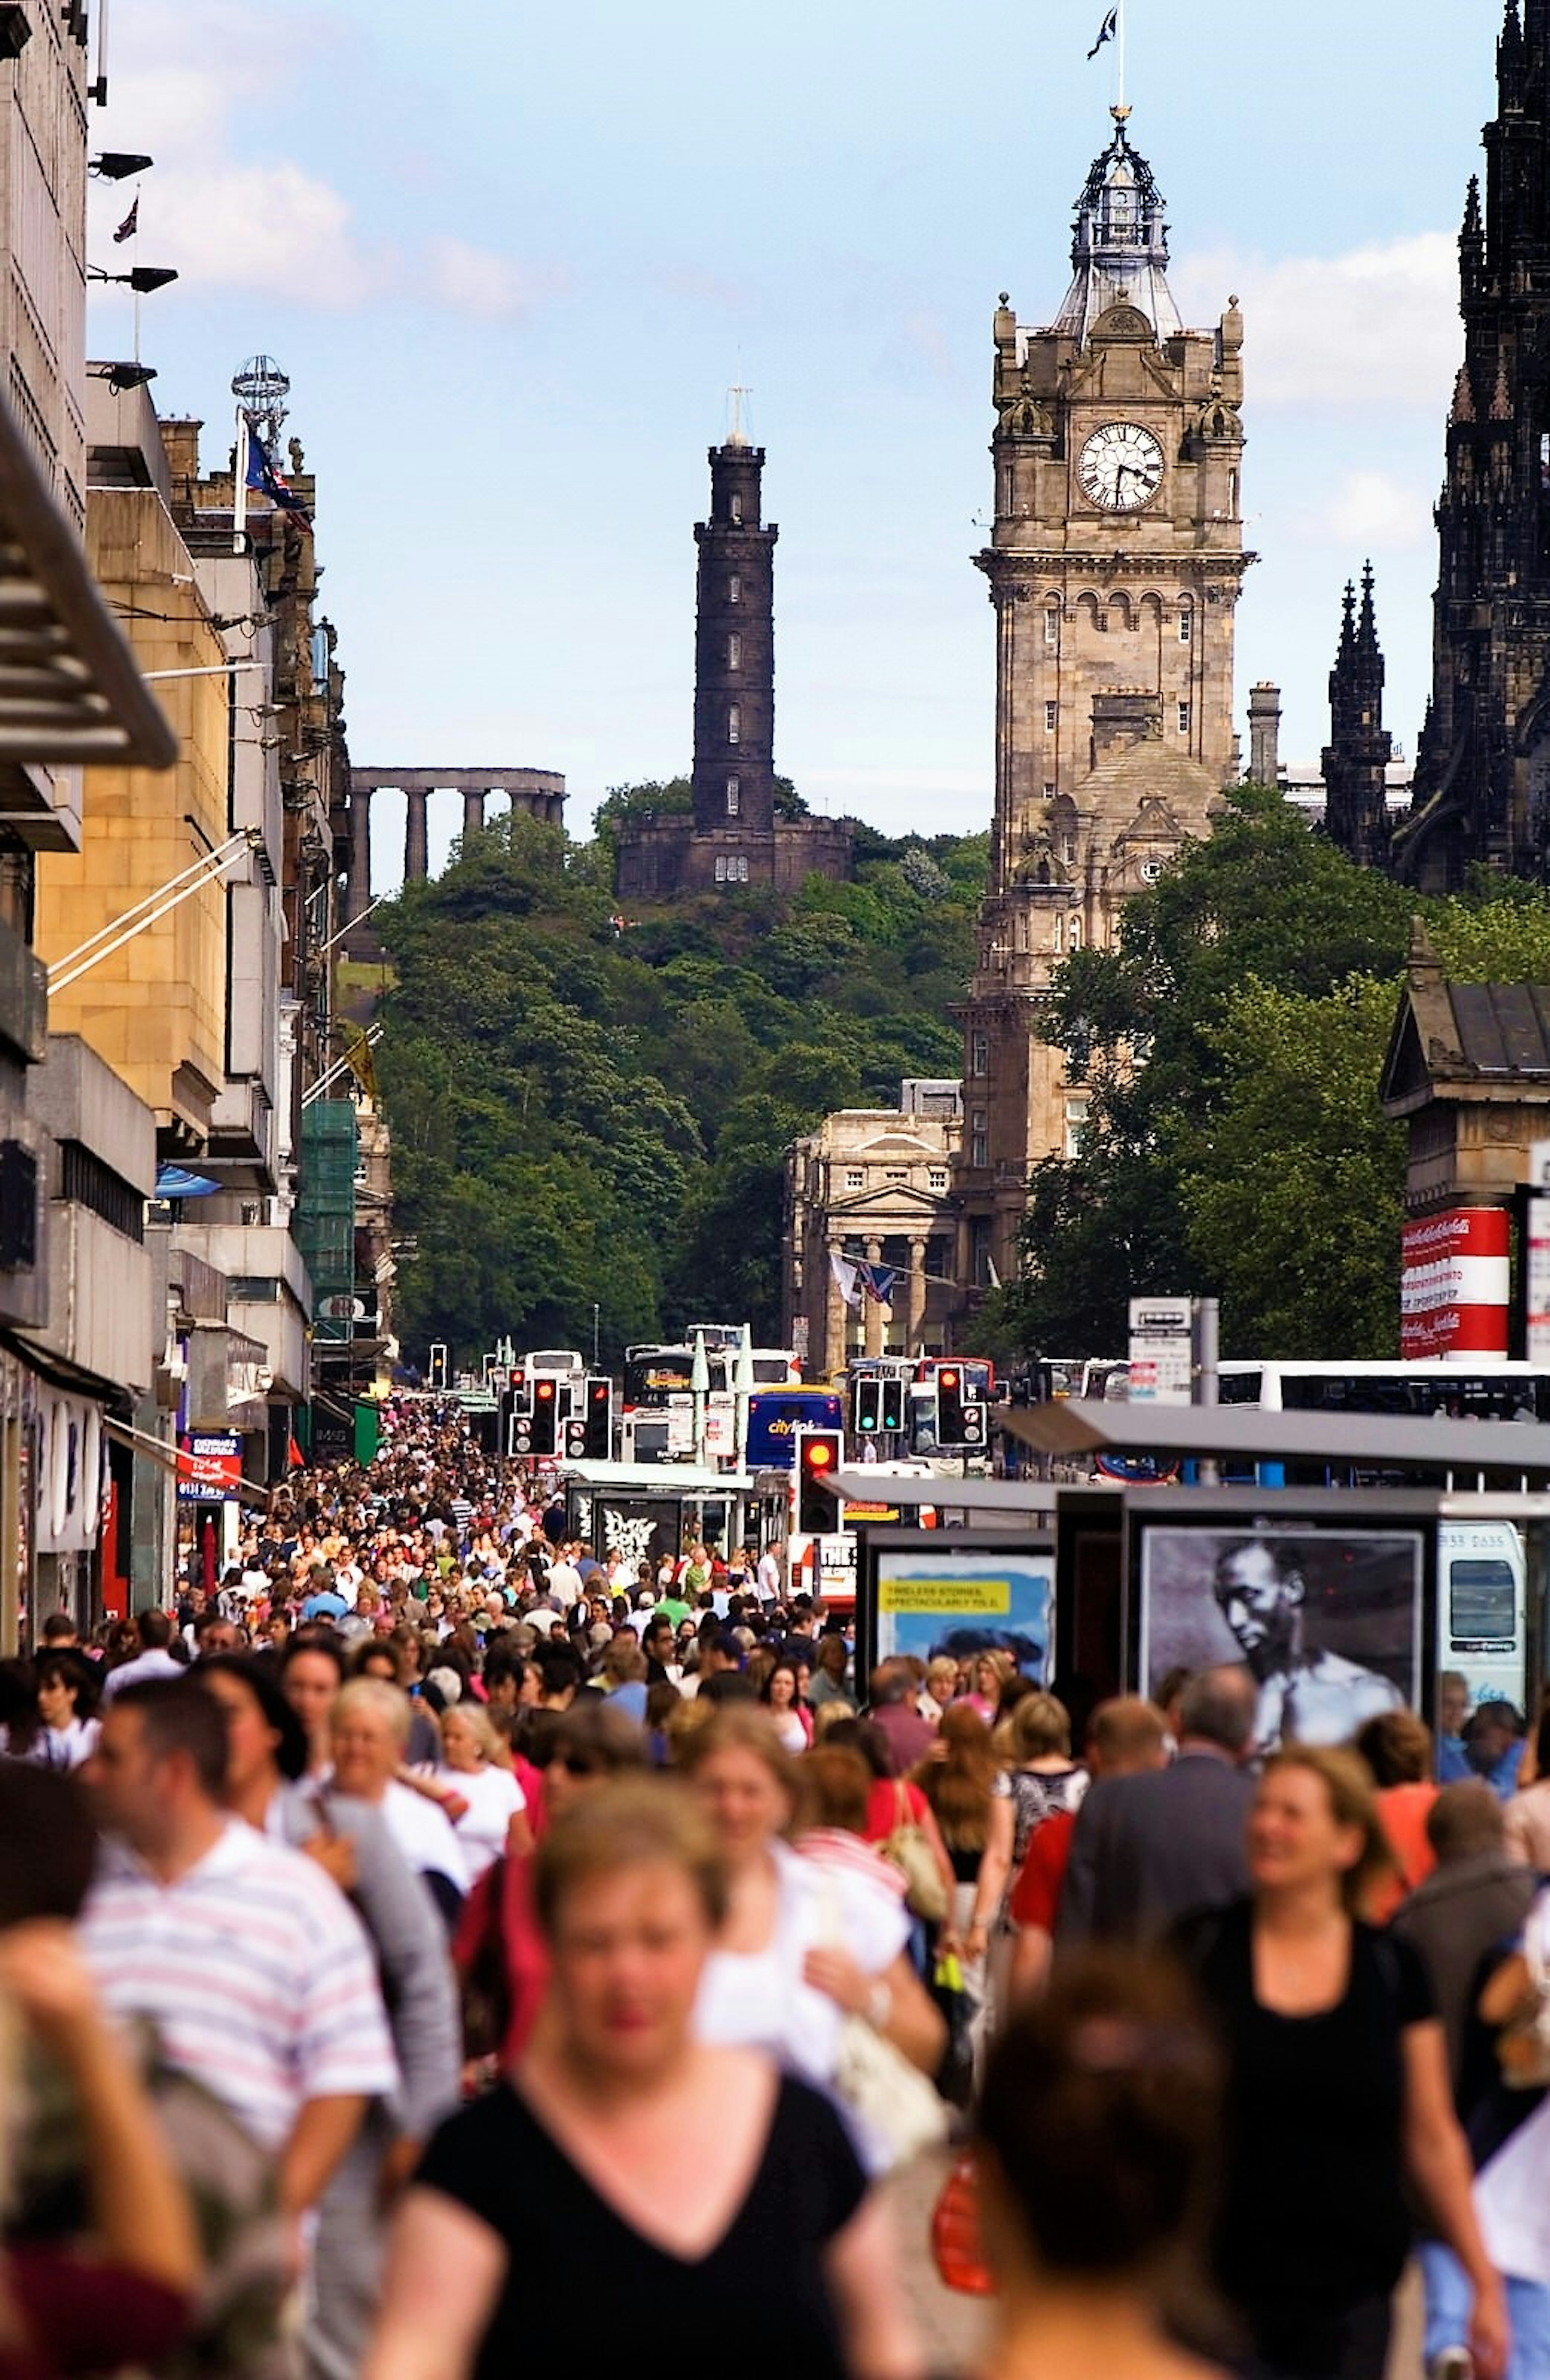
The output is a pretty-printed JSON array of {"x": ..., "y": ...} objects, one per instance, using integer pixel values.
[{"x": 1330, "y": 1622}]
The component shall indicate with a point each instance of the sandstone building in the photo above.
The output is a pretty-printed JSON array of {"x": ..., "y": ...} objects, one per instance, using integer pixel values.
[
  {"x": 733, "y": 836},
  {"x": 1115, "y": 569},
  {"x": 873, "y": 1183}
]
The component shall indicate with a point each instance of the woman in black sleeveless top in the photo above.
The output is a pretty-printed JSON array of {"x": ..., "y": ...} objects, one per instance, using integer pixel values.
[{"x": 628, "y": 2192}]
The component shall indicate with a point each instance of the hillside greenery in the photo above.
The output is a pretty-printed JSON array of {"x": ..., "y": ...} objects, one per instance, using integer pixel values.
[
  {"x": 1233, "y": 1046},
  {"x": 585, "y": 1115}
]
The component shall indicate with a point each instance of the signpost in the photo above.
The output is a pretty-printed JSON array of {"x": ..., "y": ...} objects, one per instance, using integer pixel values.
[{"x": 1162, "y": 1350}]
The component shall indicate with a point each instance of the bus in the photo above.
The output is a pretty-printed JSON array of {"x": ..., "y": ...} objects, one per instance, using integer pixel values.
[{"x": 1480, "y": 1389}]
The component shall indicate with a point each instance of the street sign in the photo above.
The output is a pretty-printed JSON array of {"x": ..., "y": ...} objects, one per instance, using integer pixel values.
[
  {"x": 208, "y": 1468},
  {"x": 1456, "y": 1286},
  {"x": 1162, "y": 1350}
]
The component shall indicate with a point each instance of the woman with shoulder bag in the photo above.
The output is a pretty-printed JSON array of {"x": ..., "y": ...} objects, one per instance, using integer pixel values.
[{"x": 901, "y": 1824}]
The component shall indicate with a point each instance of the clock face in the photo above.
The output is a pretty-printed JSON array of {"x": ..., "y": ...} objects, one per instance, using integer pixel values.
[{"x": 1121, "y": 467}]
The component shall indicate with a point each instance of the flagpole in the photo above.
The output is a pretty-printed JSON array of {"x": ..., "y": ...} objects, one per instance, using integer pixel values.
[
  {"x": 239, "y": 500},
  {"x": 1120, "y": 62}
]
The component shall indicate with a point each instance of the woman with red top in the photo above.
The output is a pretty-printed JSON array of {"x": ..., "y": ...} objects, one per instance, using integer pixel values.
[
  {"x": 894, "y": 1802},
  {"x": 1397, "y": 1749}
]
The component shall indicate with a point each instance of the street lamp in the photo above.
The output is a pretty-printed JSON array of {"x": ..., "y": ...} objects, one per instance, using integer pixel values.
[
  {"x": 143, "y": 280},
  {"x": 120, "y": 377}
]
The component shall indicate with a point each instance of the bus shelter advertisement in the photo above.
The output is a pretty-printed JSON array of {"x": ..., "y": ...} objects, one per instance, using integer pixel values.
[{"x": 947, "y": 1598}]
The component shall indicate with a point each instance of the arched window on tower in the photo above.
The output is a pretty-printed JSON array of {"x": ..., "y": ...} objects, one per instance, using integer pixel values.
[
  {"x": 734, "y": 725},
  {"x": 735, "y": 796},
  {"x": 1232, "y": 495},
  {"x": 1186, "y": 624},
  {"x": 736, "y": 511},
  {"x": 734, "y": 588},
  {"x": 1073, "y": 934},
  {"x": 734, "y": 652},
  {"x": 1051, "y": 624}
]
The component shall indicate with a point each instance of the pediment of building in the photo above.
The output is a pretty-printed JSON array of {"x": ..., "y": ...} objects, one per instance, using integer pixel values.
[{"x": 897, "y": 1198}]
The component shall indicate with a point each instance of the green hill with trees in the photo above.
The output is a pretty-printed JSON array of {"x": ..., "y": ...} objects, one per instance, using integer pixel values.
[{"x": 587, "y": 1116}]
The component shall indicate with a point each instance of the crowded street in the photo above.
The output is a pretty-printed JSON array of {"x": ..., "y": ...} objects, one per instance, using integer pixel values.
[{"x": 494, "y": 1919}]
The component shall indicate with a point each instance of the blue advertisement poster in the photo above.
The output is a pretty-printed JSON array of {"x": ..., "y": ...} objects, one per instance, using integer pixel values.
[{"x": 964, "y": 1602}]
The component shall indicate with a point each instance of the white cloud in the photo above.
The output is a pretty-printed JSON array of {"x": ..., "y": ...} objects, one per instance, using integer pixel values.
[
  {"x": 1375, "y": 511},
  {"x": 1374, "y": 329},
  {"x": 262, "y": 222},
  {"x": 472, "y": 281}
]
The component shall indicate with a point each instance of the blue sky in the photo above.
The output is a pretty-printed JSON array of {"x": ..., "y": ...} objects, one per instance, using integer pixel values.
[{"x": 513, "y": 261}]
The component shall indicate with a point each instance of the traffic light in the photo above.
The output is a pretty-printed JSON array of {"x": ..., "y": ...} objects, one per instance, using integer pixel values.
[
  {"x": 436, "y": 1376},
  {"x": 950, "y": 1406},
  {"x": 892, "y": 1402},
  {"x": 598, "y": 1420},
  {"x": 975, "y": 1420},
  {"x": 545, "y": 1417},
  {"x": 820, "y": 1454},
  {"x": 518, "y": 1410},
  {"x": 867, "y": 1405}
]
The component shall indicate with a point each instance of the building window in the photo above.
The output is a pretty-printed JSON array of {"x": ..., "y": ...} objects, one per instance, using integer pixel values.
[
  {"x": 939, "y": 1177},
  {"x": 1232, "y": 495},
  {"x": 1051, "y": 717},
  {"x": 1184, "y": 716},
  {"x": 1077, "y": 1114},
  {"x": 1052, "y": 624},
  {"x": 734, "y": 725},
  {"x": 1073, "y": 934},
  {"x": 734, "y": 588},
  {"x": 1186, "y": 626},
  {"x": 979, "y": 1053},
  {"x": 896, "y": 1173},
  {"x": 737, "y": 512},
  {"x": 721, "y": 865},
  {"x": 742, "y": 871},
  {"x": 1049, "y": 792},
  {"x": 855, "y": 1178},
  {"x": 734, "y": 652},
  {"x": 735, "y": 796},
  {"x": 979, "y": 1138}
]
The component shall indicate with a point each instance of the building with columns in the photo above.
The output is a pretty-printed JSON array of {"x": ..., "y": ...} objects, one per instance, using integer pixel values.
[
  {"x": 873, "y": 1184},
  {"x": 536, "y": 793},
  {"x": 1115, "y": 568}
]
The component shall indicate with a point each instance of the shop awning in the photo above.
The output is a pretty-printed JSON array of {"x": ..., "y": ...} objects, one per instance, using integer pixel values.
[
  {"x": 70, "y": 688},
  {"x": 1246, "y": 1434}
]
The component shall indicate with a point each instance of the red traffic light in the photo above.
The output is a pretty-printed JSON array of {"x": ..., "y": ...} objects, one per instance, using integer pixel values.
[
  {"x": 947, "y": 1379},
  {"x": 545, "y": 1388},
  {"x": 820, "y": 1457},
  {"x": 600, "y": 1393}
]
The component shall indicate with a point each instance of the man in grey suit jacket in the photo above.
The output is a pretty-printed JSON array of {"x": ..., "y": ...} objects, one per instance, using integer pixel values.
[{"x": 1147, "y": 1848}]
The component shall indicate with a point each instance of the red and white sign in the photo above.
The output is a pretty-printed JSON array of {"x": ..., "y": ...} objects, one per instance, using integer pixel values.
[
  {"x": 209, "y": 1468},
  {"x": 1456, "y": 1287}
]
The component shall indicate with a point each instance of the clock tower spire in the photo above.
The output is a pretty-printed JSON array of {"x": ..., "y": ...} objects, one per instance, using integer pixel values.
[{"x": 1115, "y": 568}]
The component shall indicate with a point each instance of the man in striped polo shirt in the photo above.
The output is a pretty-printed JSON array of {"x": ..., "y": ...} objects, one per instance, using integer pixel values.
[{"x": 253, "y": 1967}]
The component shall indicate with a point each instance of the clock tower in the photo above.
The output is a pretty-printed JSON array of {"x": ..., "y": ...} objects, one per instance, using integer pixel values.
[{"x": 1115, "y": 570}]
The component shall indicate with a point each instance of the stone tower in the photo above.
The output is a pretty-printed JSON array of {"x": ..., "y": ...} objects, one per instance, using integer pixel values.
[
  {"x": 734, "y": 651},
  {"x": 1115, "y": 569},
  {"x": 1482, "y": 768},
  {"x": 1356, "y": 759},
  {"x": 733, "y": 836}
]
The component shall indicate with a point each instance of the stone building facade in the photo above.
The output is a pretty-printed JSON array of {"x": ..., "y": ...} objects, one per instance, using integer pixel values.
[
  {"x": 733, "y": 836},
  {"x": 1115, "y": 569},
  {"x": 872, "y": 1184}
]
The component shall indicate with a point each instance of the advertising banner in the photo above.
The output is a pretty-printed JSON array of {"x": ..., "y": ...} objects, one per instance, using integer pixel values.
[{"x": 1455, "y": 1285}]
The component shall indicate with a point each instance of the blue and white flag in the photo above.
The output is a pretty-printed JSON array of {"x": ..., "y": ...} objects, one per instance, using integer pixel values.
[
  {"x": 1110, "y": 33},
  {"x": 265, "y": 479},
  {"x": 877, "y": 1281}
]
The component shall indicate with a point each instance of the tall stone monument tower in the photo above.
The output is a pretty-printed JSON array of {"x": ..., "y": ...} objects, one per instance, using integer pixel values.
[
  {"x": 1482, "y": 766},
  {"x": 1115, "y": 570}
]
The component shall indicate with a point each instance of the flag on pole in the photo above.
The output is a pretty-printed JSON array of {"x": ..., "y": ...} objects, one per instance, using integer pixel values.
[
  {"x": 1110, "y": 33},
  {"x": 265, "y": 479},
  {"x": 877, "y": 1281},
  {"x": 130, "y": 226},
  {"x": 847, "y": 1276}
]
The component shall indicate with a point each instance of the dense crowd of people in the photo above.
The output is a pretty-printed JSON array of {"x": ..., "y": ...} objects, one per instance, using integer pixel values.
[{"x": 440, "y": 1948}]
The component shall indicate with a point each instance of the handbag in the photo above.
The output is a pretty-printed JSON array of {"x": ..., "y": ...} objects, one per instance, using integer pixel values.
[
  {"x": 956, "y": 2245},
  {"x": 908, "y": 1848},
  {"x": 955, "y": 2075},
  {"x": 894, "y": 2103},
  {"x": 1523, "y": 2043}
]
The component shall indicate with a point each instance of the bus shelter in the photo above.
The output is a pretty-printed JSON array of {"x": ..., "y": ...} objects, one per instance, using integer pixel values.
[{"x": 647, "y": 1511}]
